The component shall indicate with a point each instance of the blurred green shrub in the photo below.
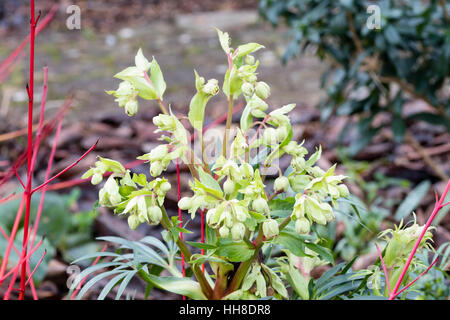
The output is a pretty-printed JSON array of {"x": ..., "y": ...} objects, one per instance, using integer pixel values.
[{"x": 374, "y": 70}]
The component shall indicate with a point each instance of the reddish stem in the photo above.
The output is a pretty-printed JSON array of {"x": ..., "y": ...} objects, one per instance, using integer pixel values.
[
  {"x": 388, "y": 284},
  {"x": 6, "y": 64},
  {"x": 412, "y": 282},
  {"x": 66, "y": 169},
  {"x": 203, "y": 235},
  {"x": 30, "y": 89},
  {"x": 438, "y": 206},
  {"x": 180, "y": 218}
]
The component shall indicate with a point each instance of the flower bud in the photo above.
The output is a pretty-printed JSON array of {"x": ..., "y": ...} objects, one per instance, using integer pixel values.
[
  {"x": 185, "y": 203},
  {"x": 227, "y": 217},
  {"x": 257, "y": 103},
  {"x": 249, "y": 59},
  {"x": 213, "y": 218},
  {"x": 298, "y": 182},
  {"x": 133, "y": 222},
  {"x": 241, "y": 213},
  {"x": 228, "y": 186},
  {"x": 270, "y": 136},
  {"x": 315, "y": 211},
  {"x": 155, "y": 214},
  {"x": 156, "y": 168},
  {"x": 291, "y": 148},
  {"x": 238, "y": 231},
  {"x": 224, "y": 232},
  {"x": 258, "y": 113},
  {"x": 159, "y": 152},
  {"x": 252, "y": 78},
  {"x": 281, "y": 133},
  {"x": 165, "y": 187},
  {"x": 96, "y": 178},
  {"x": 270, "y": 228},
  {"x": 302, "y": 226},
  {"x": 281, "y": 184},
  {"x": 164, "y": 122},
  {"x": 246, "y": 170},
  {"x": 131, "y": 107},
  {"x": 343, "y": 190},
  {"x": 247, "y": 89},
  {"x": 262, "y": 90},
  {"x": 211, "y": 87},
  {"x": 260, "y": 205}
]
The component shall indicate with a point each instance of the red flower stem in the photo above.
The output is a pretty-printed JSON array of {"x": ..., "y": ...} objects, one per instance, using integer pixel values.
[
  {"x": 66, "y": 169},
  {"x": 420, "y": 276},
  {"x": 74, "y": 293},
  {"x": 388, "y": 284},
  {"x": 438, "y": 206}
]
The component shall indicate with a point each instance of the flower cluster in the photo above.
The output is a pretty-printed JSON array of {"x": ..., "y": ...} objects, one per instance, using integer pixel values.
[{"x": 126, "y": 194}]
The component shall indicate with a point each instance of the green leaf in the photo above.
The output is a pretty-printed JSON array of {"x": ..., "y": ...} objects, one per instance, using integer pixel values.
[
  {"x": 181, "y": 286},
  {"x": 293, "y": 242},
  {"x": 246, "y": 118},
  {"x": 298, "y": 282},
  {"x": 200, "y": 245},
  {"x": 412, "y": 200},
  {"x": 157, "y": 78},
  {"x": 110, "y": 285},
  {"x": 247, "y": 48},
  {"x": 234, "y": 251},
  {"x": 323, "y": 252},
  {"x": 224, "y": 40},
  {"x": 125, "y": 283},
  {"x": 208, "y": 181}
]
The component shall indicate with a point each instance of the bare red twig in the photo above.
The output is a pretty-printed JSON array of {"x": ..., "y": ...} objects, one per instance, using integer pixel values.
[
  {"x": 30, "y": 276},
  {"x": 412, "y": 282},
  {"x": 5, "y": 66},
  {"x": 47, "y": 129},
  {"x": 33, "y": 290},
  {"x": 66, "y": 169}
]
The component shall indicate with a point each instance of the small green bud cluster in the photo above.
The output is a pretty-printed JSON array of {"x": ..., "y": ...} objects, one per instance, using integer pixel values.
[
  {"x": 102, "y": 166},
  {"x": 132, "y": 195},
  {"x": 136, "y": 83},
  {"x": 402, "y": 240},
  {"x": 261, "y": 281},
  {"x": 229, "y": 218},
  {"x": 126, "y": 97},
  {"x": 141, "y": 209}
]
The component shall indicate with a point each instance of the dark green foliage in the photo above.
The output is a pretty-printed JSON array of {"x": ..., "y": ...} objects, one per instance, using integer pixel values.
[{"x": 373, "y": 70}]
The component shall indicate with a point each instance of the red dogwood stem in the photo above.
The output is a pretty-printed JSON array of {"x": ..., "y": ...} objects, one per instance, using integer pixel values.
[
  {"x": 436, "y": 209},
  {"x": 30, "y": 90}
]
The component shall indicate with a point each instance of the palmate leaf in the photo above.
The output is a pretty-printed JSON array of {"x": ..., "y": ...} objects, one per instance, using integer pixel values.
[{"x": 126, "y": 265}]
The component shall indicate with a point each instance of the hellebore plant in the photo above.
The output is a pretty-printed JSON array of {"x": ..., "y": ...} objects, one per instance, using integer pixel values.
[{"x": 247, "y": 216}]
